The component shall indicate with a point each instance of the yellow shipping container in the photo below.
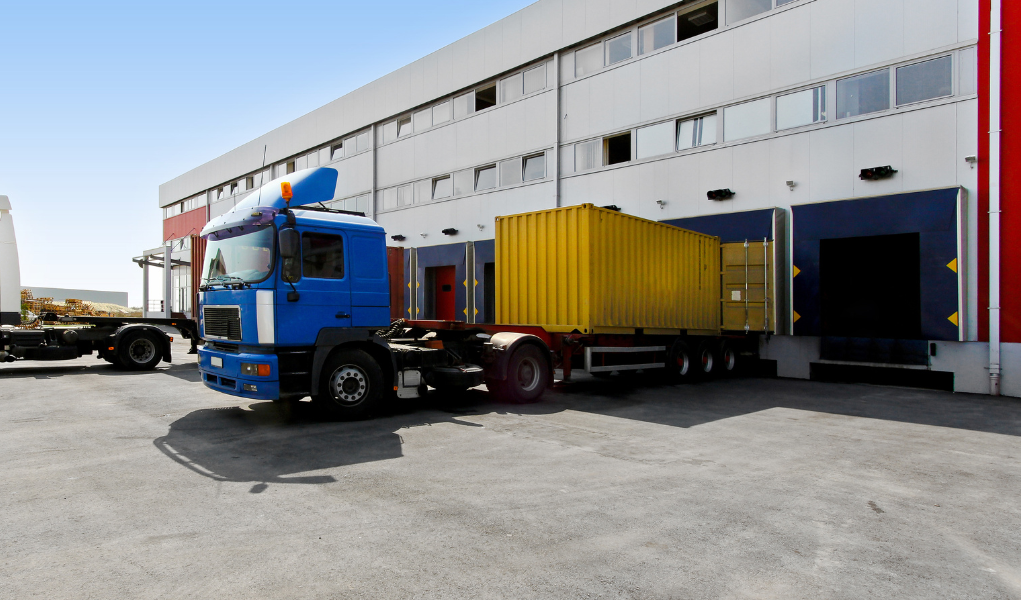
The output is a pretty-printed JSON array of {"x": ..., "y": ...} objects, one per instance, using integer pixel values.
[{"x": 596, "y": 270}]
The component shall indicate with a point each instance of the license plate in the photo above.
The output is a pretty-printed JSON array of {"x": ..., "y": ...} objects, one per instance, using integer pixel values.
[{"x": 216, "y": 361}]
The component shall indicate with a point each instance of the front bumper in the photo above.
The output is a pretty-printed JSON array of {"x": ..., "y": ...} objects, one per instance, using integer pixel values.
[{"x": 228, "y": 378}]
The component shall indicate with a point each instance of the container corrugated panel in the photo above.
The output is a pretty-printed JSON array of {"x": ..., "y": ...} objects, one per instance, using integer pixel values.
[
  {"x": 748, "y": 290},
  {"x": 596, "y": 270}
]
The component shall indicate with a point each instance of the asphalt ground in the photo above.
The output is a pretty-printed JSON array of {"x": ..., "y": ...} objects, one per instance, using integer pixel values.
[{"x": 148, "y": 485}]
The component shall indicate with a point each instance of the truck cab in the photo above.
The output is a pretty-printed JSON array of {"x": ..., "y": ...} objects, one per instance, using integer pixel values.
[{"x": 295, "y": 302}]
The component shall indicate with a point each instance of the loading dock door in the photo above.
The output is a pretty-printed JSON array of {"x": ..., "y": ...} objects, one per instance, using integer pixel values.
[
  {"x": 444, "y": 292},
  {"x": 871, "y": 287}
]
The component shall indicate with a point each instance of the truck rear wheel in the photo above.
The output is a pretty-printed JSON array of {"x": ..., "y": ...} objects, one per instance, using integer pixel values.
[
  {"x": 351, "y": 386},
  {"x": 706, "y": 359},
  {"x": 526, "y": 376},
  {"x": 726, "y": 364},
  {"x": 681, "y": 365},
  {"x": 138, "y": 351}
]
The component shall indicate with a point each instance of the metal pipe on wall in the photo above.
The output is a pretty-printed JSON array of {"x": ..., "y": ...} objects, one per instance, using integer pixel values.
[
  {"x": 558, "y": 127},
  {"x": 995, "y": 124}
]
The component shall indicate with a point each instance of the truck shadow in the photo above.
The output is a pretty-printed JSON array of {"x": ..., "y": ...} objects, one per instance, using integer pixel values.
[
  {"x": 688, "y": 405},
  {"x": 267, "y": 443},
  {"x": 183, "y": 371}
]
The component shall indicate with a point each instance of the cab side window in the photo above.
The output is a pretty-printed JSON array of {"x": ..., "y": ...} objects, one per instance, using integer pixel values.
[{"x": 323, "y": 256}]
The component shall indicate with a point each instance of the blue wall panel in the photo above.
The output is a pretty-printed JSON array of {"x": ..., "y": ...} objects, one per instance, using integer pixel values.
[
  {"x": 931, "y": 214},
  {"x": 731, "y": 227},
  {"x": 484, "y": 253}
]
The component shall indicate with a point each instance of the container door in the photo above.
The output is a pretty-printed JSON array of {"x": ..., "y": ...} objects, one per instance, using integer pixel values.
[
  {"x": 324, "y": 290},
  {"x": 748, "y": 294},
  {"x": 444, "y": 293}
]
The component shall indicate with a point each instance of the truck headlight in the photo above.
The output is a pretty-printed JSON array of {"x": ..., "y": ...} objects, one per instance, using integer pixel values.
[{"x": 256, "y": 369}]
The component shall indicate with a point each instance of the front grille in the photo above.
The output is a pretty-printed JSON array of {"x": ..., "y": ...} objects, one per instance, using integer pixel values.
[{"x": 222, "y": 322}]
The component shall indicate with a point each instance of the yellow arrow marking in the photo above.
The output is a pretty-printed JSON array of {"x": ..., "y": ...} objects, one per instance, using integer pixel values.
[
  {"x": 952, "y": 265},
  {"x": 796, "y": 316},
  {"x": 475, "y": 312},
  {"x": 955, "y": 318},
  {"x": 796, "y": 270},
  {"x": 465, "y": 283},
  {"x": 465, "y": 311}
]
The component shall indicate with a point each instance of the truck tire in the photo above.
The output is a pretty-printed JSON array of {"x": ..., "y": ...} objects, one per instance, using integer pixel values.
[
  {"x": 681, "y": 365},
  {"x": 726, "y": 359},
  {"x": 706, "y": 359},
  {"x": 351, "y": 386},
  {"x": 526, "y": 376},
  {"x": 138, "y": 351}
]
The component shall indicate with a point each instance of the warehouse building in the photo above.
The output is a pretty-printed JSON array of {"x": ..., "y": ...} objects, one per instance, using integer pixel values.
[{"x": 846, "y": 142}]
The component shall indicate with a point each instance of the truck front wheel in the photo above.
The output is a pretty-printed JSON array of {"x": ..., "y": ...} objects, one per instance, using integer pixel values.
[
  {"x": 138, "y": 351},
  {"x": 526, "y": 376},
  {"x": 351, "y": 385}
]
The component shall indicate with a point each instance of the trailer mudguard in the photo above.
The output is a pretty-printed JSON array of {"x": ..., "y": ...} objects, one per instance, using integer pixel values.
[
  {"x": 330, "y": 338},
  {"x": 164, "y": 338},
  {"x": 505, "y": 344}
]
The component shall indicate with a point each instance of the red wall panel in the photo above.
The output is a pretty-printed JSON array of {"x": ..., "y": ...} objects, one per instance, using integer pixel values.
[{"x": 184, "y": 224}]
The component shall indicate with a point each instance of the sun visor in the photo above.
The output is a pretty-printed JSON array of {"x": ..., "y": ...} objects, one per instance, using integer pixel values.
[{"x": 308, "y": 186}]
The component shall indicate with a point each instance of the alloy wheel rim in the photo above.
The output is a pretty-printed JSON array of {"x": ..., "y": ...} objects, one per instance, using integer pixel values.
[
  {"x": 349, "y": 385},
  {"x": 142, "y": 350}
]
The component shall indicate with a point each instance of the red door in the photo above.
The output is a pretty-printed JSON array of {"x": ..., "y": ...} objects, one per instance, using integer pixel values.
[{"x": 444, "y": 293}]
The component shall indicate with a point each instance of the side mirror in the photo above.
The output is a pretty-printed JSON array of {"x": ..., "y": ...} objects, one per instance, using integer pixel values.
[{"x": 288, "y": 240}]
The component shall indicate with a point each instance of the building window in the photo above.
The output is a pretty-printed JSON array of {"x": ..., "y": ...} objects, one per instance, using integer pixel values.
[
  {"x": 695, "y": 22},
  {"x": 442, "y": 113},
  {"x": 422, "y": 120},
  {"x": 588, "y": 155},
  {"x": 535, "y": 79},
  {"x": 486, "y": 178},
  {"x": 748, "y": 119},
  {"x": 405, "y": 195},
  {"x": 387, "y": 199},
  {"x": 338, "y": 151},
  {"x": 363, "y": 141},
  {"x": 781, "y": 2},
  {"x": 486, "y": 97},
  {"x": 533, "y": 167},
  {"x": 464, "y": 105},
  {"x": 290, "y": 167},
  {"x": 442, "y": 187},
  {"x": 862, "y": 94},
  {"x": 655, "y": 140},
  {"x": 589, "y": 60},
  {"x": 389, "y": 131},
  {"x": 220, "y": 193},
  {"x": 737, "y": 10},
  {"x": 924, "y": 80},
  {"x": 657, "y": 35},
  {"x": 404, "y": 126},
  {"x": 800, "y": 108},
  {"x": 323, "y": 256},
  {"x": 511, "y": 172},
  {"x": 512, "y": 87},
  {"x": 250, "y": 183},
  {"x": 618, "y": 148},
  {"x": 618, "y": 49},
  {"x": 234, "y": 189}
]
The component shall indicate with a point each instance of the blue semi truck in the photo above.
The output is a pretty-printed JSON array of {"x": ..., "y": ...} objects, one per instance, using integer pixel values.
[{"x": 295, "y": 302}]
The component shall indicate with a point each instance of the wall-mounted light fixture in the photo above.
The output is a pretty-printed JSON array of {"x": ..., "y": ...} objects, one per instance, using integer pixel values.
[
  {"x": 450, "y": 231},
  {"x": 480, "y": 226},
  {"x": 791, "y": 184},
  {"x": 723, "y": 194},
  {"x": 875, "y": 173},
  {"x": 661, "y": 203},
  {"x": 424, "y": 234},
  {"x": 971, "y": 160},
  {"x": 398, "y": 238},
  {"x": 613, "y": 207}
]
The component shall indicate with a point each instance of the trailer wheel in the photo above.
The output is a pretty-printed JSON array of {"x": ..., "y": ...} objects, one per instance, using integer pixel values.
[
  {"x": 138, "y": 351},
  {"x": 351, "y": 385},
  {"x": 526, "y": 376},
  {"x": 727, "y": 357},
  {"x": 706, "y": 359},
  {"x": 681, "y": 365}
]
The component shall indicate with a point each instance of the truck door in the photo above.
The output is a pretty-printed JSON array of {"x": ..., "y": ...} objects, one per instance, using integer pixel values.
[{"x": 324, "y": 290}]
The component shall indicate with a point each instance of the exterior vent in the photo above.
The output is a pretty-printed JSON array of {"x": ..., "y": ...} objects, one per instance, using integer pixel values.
[{"x": 222, "y": 322}]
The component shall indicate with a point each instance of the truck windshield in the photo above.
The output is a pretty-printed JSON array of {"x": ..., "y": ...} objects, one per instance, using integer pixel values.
[{"x": 246, "y": 258}]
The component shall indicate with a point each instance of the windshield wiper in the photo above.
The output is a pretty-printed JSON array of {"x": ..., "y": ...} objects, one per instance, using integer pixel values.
[{"x": 225, "y": 279}]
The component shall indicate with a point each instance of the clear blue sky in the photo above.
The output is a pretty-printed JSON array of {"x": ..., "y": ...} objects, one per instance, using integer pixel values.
[{"x": 101, "y": 102}]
